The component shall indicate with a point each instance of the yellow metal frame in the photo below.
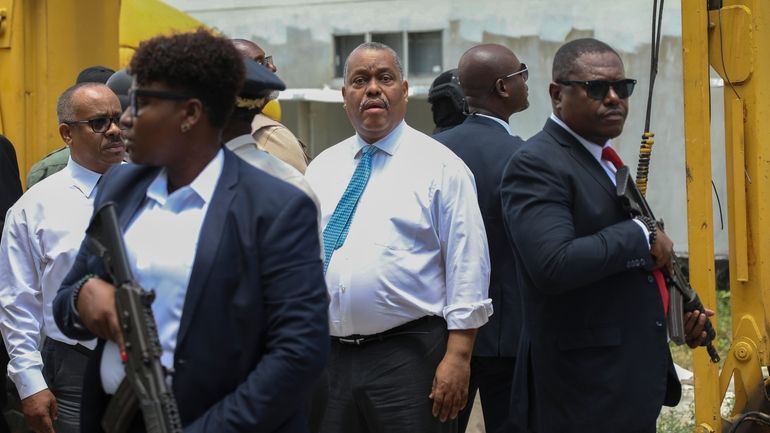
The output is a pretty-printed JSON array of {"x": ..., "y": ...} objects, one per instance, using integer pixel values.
[
  {"x": 44, "y": 44},
  {"x": 733, "y": 41}
]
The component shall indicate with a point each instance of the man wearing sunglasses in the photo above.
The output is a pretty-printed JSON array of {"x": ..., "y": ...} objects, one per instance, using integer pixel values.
[
  {"x": 594, "y": 347},
  {"x": 494, "y": 83},
  {"x": 41, "y": 237},
  {"x": 57, "y": 159}
]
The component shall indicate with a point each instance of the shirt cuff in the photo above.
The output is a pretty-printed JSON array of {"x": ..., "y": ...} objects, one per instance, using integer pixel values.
[
  {"x": 29, "y": 382},
  {"x": 468, "y": 315},
  {"x": 646, "y": 232}
]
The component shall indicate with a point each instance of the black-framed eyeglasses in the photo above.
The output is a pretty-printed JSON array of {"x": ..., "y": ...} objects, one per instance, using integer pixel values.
[
  {"x": 99, "y": 125},
  {"x": 523, "y": 70},
  {"x": 267, "y": 61},
  {"x": 597, "y": 89},
  {"x": 135, "y": 94}
]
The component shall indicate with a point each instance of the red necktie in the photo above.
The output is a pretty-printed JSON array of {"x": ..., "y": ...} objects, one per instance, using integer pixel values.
[{"x": 609, "y": 154}]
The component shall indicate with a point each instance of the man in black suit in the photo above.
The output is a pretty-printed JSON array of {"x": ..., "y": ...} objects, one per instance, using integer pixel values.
[
  {"x": 494, "y": 83},
  {"x": 231, "y": 252},
  {"x": 594, "y": 354}
]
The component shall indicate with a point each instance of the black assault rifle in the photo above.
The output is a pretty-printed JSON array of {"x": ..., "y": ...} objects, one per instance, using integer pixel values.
[
  {"x": 682, "y": 297},
  {"x": 144, "y": 386}
]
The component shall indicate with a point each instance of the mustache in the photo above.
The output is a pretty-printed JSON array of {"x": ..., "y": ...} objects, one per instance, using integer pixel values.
[
  {"x": 113, "y": 140},
  {"x": 366, "y": 103}
]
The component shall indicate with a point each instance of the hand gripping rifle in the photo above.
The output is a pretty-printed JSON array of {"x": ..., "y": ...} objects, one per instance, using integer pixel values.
[
  {"x": 144, "y": 386},
  {"x": 682, "y": 297}
]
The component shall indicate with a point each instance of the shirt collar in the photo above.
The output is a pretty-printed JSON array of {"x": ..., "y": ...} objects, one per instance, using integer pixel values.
[
  {"x": 500, "y": 121},
  {"x": 388, "y": 144},
  {"x": 202, "y": 186},
  {"x": 240, "y": 141},
  {"x": 594, "y": 148},
  {"x": 84, "y": 179}
]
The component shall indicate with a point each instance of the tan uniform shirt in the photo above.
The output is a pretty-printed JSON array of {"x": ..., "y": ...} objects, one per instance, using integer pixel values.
[{"x": 277, "y": 140}]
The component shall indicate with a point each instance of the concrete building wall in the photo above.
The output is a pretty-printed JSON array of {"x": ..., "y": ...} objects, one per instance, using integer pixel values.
[{"x": 300, "y": 36}]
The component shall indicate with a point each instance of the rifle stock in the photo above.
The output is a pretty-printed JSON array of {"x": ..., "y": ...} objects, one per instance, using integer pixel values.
[
  {"x": 144, "y": 386},
  {"x": 683, "y": 298}
]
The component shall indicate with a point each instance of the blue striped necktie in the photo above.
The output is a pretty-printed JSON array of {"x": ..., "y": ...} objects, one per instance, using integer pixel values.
[{"x": 337, "y": 229}]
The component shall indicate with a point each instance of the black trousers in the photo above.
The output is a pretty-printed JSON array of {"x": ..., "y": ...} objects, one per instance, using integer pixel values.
[
  {"x": 383, "y": 386},
  {"x": 63, "y": 369},
  {"x": 492, "y": 377}
]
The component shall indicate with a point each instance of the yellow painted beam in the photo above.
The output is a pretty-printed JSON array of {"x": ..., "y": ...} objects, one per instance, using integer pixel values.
[
  {"x": 699, "y": 205},
  {"x": 51, "y": 41},
  {"x": 738, "y": 51}
]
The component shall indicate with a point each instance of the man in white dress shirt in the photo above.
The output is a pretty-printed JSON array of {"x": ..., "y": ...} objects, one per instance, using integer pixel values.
[
  {"x": 42, "y": 234},
  {"x": 407, "y": 269}
]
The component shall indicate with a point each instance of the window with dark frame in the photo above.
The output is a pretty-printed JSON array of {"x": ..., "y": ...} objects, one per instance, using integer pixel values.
[
  {"x": 343, "y": 46},
  {"x": 421, "y": 52},
  {"x": 425, "y": 53}
]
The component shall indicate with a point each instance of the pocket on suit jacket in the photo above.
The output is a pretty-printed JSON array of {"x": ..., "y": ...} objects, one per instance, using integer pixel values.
[{"x": 587, "y": 338}]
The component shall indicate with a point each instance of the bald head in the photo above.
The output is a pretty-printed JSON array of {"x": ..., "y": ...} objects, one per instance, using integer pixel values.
[
  {"x": 485, "y": 76},
  {"x": 254, "y": 52},
  {"x": 481, "y": 65}
]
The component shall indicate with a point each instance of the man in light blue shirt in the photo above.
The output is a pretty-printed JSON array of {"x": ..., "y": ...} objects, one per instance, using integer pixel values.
[{"x": 408, "y": 268}]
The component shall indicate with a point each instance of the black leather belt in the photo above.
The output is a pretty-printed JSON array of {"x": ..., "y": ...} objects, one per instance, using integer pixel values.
[{"x": 405, "y": 329}]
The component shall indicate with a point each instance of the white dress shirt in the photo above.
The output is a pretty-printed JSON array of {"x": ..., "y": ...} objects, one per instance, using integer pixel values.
[
  {"x": 416, "y": 245},
  {"x": 161, "y": 241},
  {"x": 595, "y": 150},
  {"x": 41, "y": 238},
  {"x": 246, "y": 148}
]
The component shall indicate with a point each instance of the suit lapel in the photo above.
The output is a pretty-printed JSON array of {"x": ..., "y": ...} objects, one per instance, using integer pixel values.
[
  {"x": 581, "y": 155},
  {"x": 135, "y": 195},
  {"x": 209, "y": 240}
]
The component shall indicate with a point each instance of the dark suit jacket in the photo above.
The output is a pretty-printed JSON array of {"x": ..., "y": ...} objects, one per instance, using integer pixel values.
[
  {"x": 254, "y": 333},
  {"x": 594, "y": 337},
  {"x": 485, "y": 147},
  {"x": 10, "y": 185}
]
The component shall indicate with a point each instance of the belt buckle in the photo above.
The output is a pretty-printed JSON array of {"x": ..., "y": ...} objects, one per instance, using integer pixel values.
[{"x": 355, "y": 341}]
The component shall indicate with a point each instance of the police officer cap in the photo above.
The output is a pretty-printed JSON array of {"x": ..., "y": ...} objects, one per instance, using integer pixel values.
[{"x": 259, "y": 81}]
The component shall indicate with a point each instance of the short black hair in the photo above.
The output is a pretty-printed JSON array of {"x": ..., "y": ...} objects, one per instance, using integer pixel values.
[
  {"x": 198, "y": 63},
  {"x": 567, "y": 54}
]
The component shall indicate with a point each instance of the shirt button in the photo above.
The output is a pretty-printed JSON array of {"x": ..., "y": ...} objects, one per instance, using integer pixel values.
[
  {"x": 659, "y": 324},
  {"x": 650, "y": 279},
  {"x": 342, "y": 288}
]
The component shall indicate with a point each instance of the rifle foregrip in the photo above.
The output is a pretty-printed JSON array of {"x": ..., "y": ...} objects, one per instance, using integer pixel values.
[{"x": 696, "y": 304}]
